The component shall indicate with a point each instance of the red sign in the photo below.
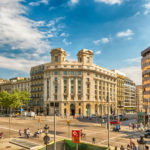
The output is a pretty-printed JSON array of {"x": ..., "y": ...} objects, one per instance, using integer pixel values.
[{"x": 76, "y": 135}]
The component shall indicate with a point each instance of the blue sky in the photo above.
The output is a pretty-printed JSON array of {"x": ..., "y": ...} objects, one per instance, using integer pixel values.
[{"x": 116, "y": 30}]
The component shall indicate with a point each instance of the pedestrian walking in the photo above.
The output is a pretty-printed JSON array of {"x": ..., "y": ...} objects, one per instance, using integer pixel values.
[
  {"x": 133, "y": 126},
  {"x": 28, "y": 133},
  {"x": 128, "y": 147},
  {"x": 121, "y": 148},
  {"x": 130, "y": 125},
  {"x": 131, "y": 143},
  {"x": 25, "y": 132},
  {"x": 41, "y": 130},
  {"x": 93, "y": 140},
  {"x": 20, "y": 132}
]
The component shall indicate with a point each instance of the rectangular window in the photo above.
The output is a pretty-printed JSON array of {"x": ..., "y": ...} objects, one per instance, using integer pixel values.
[
  {"x": 88, "y": 59},
  {"x": 56, "y": 58},
  {"x": 72, "y": 72},
  {"x": 79, "y": 73},
  {"x": 55, "y": 89},
  {"x": 65, "y": 72},
  {"x": 55, "y": 73}
]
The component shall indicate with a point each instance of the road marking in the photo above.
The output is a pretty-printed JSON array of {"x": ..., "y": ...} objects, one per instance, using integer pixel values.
[{"x": 9, "y": 129}]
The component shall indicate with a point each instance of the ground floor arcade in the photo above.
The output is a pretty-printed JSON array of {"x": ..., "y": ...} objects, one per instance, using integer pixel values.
[{"x": 79, "y": 108}]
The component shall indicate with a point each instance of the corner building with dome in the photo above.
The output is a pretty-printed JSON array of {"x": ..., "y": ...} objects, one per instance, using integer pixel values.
[{"x": 77, "y": 88}]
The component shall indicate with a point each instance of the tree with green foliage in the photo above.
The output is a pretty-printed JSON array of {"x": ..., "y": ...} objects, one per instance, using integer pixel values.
[
  {"x": 15, "y": 99},
  {"x": 5, "y": 99}
]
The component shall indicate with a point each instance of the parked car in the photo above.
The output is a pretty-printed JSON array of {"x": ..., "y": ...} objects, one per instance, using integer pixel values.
[
  {"x": 147, "y": 133},
  {"x": 93, "y": 116},
  {"x": 123, "y": 117}
]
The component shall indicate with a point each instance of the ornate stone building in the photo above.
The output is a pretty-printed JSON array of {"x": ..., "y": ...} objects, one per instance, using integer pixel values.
[
  {"x": 75, "y": 87},
  {"x": 17, "y": 83}
]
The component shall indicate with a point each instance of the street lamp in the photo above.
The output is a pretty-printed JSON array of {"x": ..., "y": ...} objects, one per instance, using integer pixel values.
[
  {"x": 141, "y": 143},
  {"x": 108, "y": 120},
  {"x": 46, "y": 137}
]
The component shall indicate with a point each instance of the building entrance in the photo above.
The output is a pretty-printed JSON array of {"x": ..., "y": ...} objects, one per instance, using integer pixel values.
[{"x": 72, "y": 109}]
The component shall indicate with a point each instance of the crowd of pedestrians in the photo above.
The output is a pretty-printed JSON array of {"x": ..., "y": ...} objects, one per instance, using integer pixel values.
[
  {"x": 138, "y": 126},
  {"x": 27, "y": 132}
]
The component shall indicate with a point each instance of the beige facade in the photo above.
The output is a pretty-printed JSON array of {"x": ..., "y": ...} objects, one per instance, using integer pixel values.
[
  {"x": 120, "y": 93},
  {"x": 130, "y": 95},
  {"x": 77, "y": 87},
  {"x": 16, "y": 84},
  {"x": 145, "y": 64},
  {"x": 139, "y": 98},
  {"x": 3, "y": 80}
]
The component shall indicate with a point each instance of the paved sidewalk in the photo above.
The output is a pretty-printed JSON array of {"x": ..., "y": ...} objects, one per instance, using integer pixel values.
[{"x": 25, "y": 144}]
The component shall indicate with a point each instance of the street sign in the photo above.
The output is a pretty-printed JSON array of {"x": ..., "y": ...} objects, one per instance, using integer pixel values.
[
  {"x": 21, "y": 109},
  {"x": 76, "y": 135}
]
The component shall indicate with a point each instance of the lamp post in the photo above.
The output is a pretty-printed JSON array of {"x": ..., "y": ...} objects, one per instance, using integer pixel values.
[
  {"x": 108, "y": 120},
  {"x": 46, "y": 137},
  {"x": 141, "y": 143},
  {"x": 54, "y": 126}
]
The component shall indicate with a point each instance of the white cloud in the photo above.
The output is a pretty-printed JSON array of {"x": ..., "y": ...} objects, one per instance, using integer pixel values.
[
  {"x": 18, "y": 31},
  {"x": 73, "y": 2},
  {"x": 98, "y": 52},
  {"x": 19, "y": 64},
  {"x": 126, "y": 33},
  {"x": 147, "y": 8},
  {"x": 134, "y": 73},
  {"x": 133, "y": 60},
  {"x": 37, "y": 3},
  {"x": 64, "y": 34},
  {"x": 110, "y": 2},
  {"x": 66, "y": 42},
  {"x": 103, "y": 40},
  {"x": 137, "y": 14}
]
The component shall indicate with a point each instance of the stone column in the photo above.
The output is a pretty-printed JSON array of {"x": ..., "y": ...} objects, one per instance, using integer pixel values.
[
  {"x": 84, "y": 89},
  {"x": 69, "y": 88},
  {"x": 60, "y": 89},
  {"x": 45, "y": 89},
  {"x": 76, "y": 89}
]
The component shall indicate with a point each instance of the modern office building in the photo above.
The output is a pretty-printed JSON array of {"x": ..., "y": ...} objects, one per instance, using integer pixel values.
[
  {"x": 37, "y": 86},
  {"x": 139, "y": 98},
  {"x": 145, "y": 64},
  {"x": 130, "y": 96},
  {"x": 73, "y": 87},
  {"x": 120, "y": 93}
]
